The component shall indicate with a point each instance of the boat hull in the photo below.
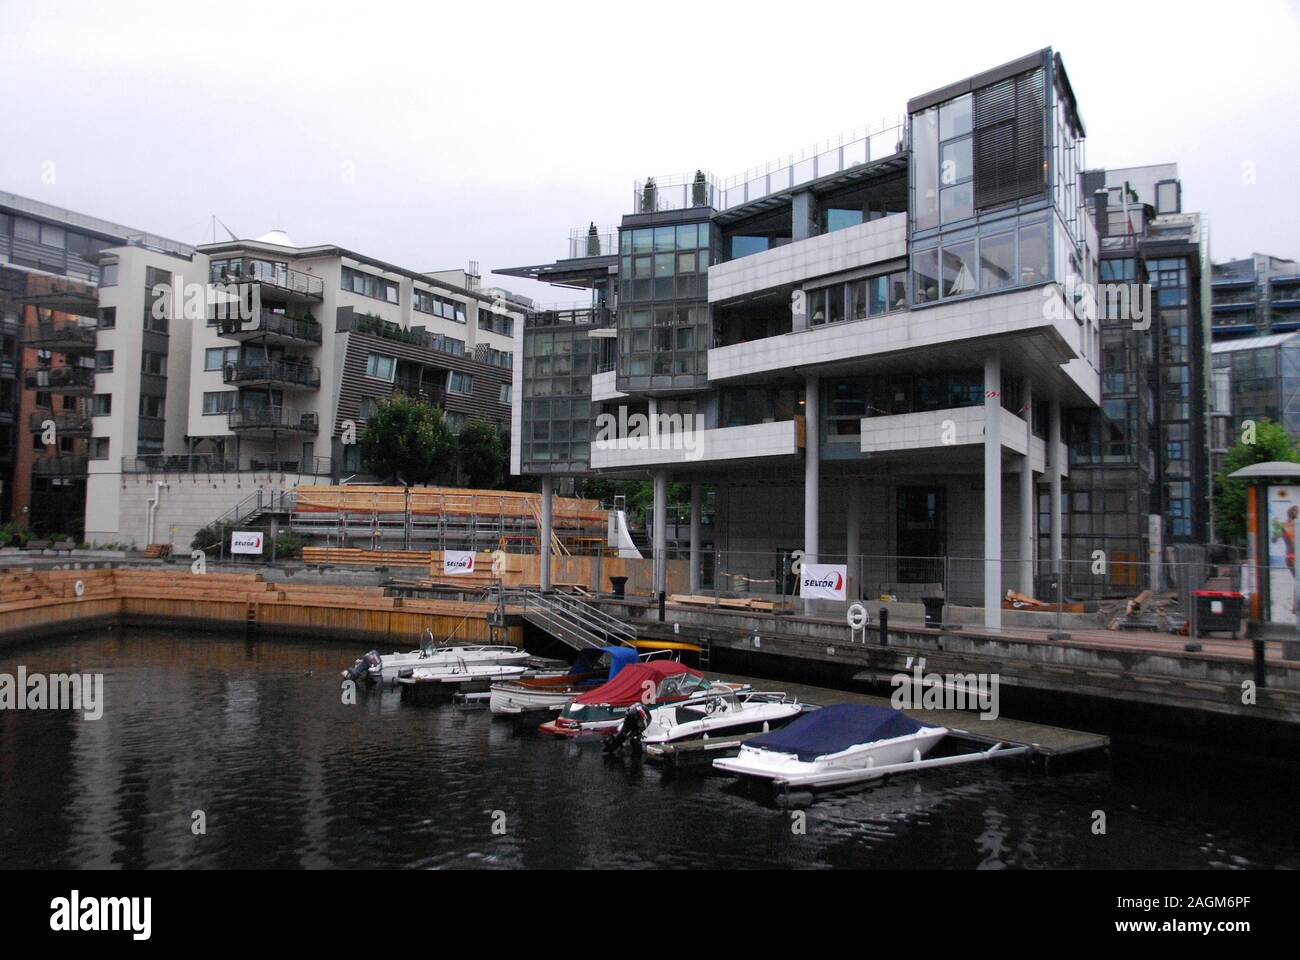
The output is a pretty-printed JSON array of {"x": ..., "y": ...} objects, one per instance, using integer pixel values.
[{"x": 393, "y": 665}]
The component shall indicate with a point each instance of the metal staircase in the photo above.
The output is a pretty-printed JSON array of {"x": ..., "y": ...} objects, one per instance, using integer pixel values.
[{"x": 571, "y": 621}]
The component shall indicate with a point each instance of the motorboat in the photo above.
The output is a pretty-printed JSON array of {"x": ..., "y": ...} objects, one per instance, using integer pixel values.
[
  {"x": 390, "y": 667},
  {"x": 601, "y": 711},
  {"x": 843, "y": 743},
  {"x": 554, "y": 693},
  {"x": 718, "y": 714},
  {"x": 459, "y": 672}
]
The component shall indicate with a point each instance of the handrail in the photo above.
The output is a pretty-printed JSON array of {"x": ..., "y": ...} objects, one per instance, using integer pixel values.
[{"x": 586, "y": 617}]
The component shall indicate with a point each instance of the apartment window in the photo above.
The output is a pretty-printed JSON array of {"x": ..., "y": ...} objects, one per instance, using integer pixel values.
[
  {"x": 846, "y": 407},
  {"x": 25, "y": 229},
  {"x": 220, "y": 401},
  {"x": 1035, "y": 256},
  {"x": 505, "y": 393},
  {"x": 151, "y": 406},
  {"x": 99, "y": 448},
  {"x": 53, "y": 236},
  {"x": 108, "y": 274},
  {"x": 1168, "y": 199},
  {"x": 108, "y": 317},
  {"x": 216, "y": 358},
  {"x": 153, "y": 363},
  {"x": 103, "y": 361},
  {"x": 455, "y": 421},
  {"x": 369, "y": 285},
  {"x": 496, "y": 323},
  {"x": 369, "y": 407},
  {"x": 459, "y": 382},
  {"x": 958, "y": 264},
  {"x": 101, "y": 405},
  {"x": 436, "y": 306},
  {"x": 925, "y": 275},
  {"x": 380, "y": 367}
]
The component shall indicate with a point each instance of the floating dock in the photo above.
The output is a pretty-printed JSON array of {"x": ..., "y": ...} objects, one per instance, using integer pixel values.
[{"x": 1039, "y": 741}]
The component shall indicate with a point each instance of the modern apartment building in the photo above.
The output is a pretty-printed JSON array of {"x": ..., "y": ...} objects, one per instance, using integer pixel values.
[
  {"x": 253, "y": 363},
  {"x": 870, "y": 348},
  {"x": 1140, "y": 464},
  {"x": 1256, "y": 296}
]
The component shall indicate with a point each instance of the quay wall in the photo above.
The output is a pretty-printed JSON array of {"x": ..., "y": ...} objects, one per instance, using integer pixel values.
[{"x": 36, "y": 603}]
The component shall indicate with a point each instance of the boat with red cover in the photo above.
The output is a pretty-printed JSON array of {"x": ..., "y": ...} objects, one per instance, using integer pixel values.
[{"x": 602, "y": 710}]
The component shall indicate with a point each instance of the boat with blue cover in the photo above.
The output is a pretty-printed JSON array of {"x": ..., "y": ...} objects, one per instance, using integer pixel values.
[
  {"x": 836, "y": 744},
  {"x": 594, "y": 666}
]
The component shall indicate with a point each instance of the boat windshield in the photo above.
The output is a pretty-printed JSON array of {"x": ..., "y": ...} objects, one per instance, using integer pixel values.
[{"x": 681, "y": 685}]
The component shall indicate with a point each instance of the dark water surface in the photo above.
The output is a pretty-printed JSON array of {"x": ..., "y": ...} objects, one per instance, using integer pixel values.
[{"x": 257, "y": 737}]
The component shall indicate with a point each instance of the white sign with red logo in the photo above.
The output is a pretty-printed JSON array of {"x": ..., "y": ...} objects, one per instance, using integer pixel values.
[
  {"x": 823, "y": 581},
  {"x": 457, "y": 563},
  {"x": 246, "y": 541}
]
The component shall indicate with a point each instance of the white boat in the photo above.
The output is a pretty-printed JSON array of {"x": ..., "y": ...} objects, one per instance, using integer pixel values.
[
  {"x": 390, "y": 667},
  {"x": 719, "y": 715},
  {"x": 555, "y": 692},
  {"x": 844, "y": 743},
  {"x": 458, "y": 673}
]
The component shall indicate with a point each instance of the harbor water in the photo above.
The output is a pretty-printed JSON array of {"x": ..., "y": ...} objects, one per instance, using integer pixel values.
[{"x": 215, "y": 752}]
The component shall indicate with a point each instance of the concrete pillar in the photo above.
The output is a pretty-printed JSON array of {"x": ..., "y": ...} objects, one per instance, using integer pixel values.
[
  {"x": 852, "y": 537},
  {"x": 697, "y": 508},
  {"x": 660, "y": 542},
  {"x": 1054, "y": 475},
  {"x": 544, "y": 537},
  {"x": 803, "y": 214},
  {"x": 1027, "y": 508},
  {"x": 812, "y": 470},
  {"x": 993, "y": 493}
]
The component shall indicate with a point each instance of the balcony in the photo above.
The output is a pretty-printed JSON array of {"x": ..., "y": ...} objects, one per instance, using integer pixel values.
[
  {"x": 62, "y": 295},
  {"x": 584, "y": 243},
  {"x": 791, "y": 264},
  {"x": 61, "y": 380},
  {"x": 60, "y": 337},
  {"x": 278, "y": 373},
  {"x": 276, "y": 279},
  {"x": 256, "y": 421},
  {"x": 949, "y": 429},
  {"x": 61, "y": 466},
  {"x": 759, "y": 441},
  {"x": 424, "y": 391},
  {"x": 269, "y": 327},
  {"x": 570, "y": 315},
  {"x": 67, "y": 423}
]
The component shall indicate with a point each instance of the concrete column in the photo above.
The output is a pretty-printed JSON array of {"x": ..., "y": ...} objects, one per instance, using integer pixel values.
[
  {"x": 660, "y": 542},
  {"x": 697, "y": 508},
  {"x": 1054, "y": 474},
  {"x": 853, "y": 537},
  {"x": 1027, "y": 507},
  {"x": 544, "y": 537},
  {"x": 803, "y": 214},
  {"x": 993, "y": 493},
  {"x": 812, "y": 470}
]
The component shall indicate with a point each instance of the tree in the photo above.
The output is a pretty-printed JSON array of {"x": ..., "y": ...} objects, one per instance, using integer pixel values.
[
  {"x": 484, "y": 455},
  {"x": 1271, "y": 443},
  {"x": 409, "y": 439}
]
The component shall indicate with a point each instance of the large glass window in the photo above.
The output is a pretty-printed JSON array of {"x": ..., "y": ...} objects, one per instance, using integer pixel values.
[
  {"x": 1035, "y": 256},
  {"x": 959, "y": 269},
  {"x": 997, "y": 261},
  {"x": 925, "y": 275},
  {"x": 925, "y": 169}
]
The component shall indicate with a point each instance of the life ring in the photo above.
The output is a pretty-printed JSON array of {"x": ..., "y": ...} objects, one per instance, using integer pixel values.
[{"x": 79, "y": 587}]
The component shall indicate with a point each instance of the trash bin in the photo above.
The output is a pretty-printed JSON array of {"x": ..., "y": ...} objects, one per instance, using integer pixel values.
[
  {"x": 1219, "y": 611},
  {"x": 933, "y": 611},
  {"x": 619, "y": 584}
]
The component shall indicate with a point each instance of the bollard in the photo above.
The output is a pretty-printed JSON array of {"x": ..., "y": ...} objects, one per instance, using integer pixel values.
[
  {"x": 663, "y": 597},
  {"x": 884, "y": 626},
  {"x": 1257, "y": 643}
]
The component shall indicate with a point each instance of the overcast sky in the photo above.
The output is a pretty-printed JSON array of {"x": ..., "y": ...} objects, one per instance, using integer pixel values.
[{"x": 428, "y": 135}]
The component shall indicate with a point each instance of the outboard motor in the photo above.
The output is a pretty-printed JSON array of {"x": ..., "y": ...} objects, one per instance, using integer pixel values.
[
  {"x": 362, "y": 668},
  {"x": 631, "y": 730}
]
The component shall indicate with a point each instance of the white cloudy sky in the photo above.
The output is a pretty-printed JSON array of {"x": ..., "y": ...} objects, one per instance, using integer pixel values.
[{"x": 490, "y": 130}]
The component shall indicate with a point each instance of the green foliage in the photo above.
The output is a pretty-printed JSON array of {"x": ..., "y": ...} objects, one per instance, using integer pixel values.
[
  {"x": 12, "y": 535},
  {"x": 408, "y": 439},
  {"x": 484, "y": 455},
  {"x": 288, "y": 545},
  {"x": 1271, "y": 444}
]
